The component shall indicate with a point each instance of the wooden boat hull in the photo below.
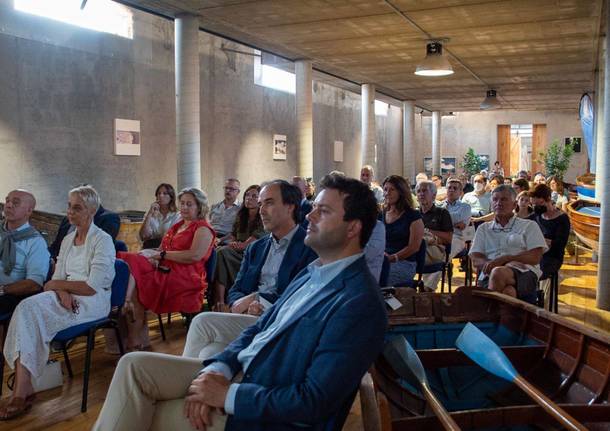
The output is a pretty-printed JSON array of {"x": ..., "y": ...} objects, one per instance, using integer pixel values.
[
  {"x": 584, "y": 217},
  {"x": 567, "y": 361},
  {"x": 585, "y": 187}
]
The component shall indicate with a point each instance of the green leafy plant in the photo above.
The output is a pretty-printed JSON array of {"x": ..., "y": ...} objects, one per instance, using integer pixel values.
[
  {"x": 471, "y": 162},
  {"x": 556, "y": 158}
]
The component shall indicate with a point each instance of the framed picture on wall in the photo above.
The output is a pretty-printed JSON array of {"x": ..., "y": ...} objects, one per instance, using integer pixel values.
[
  {"x": 448, "y": 165},
  {"x": 127, "y": 140},
  {"x": 279, "y": 147},
  {"x": 484, "y": 161},
  {"x": 338, "y": 151},
  {"x": 575, "y": 141}
]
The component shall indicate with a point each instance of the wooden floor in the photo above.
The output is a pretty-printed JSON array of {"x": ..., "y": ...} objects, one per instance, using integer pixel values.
[{"x": 59, "y": 409}]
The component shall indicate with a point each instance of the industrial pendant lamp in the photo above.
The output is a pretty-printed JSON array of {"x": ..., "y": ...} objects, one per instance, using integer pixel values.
[
  {"x": 435, "y": 63},
  {"x": 491, "y": 101}
]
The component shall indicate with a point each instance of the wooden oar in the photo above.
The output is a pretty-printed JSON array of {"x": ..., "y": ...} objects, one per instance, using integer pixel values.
[
  {"x": 482, "y": 350},
  {"x": 406, "y": 363}
]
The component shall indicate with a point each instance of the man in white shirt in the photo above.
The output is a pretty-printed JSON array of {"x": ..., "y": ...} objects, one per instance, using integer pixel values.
[
  {"x": 367, "y": 176},
  {"x": 222, "y": 214},
  {"x": 479, "y": 200},
  {"x": 507, "y": 250}
]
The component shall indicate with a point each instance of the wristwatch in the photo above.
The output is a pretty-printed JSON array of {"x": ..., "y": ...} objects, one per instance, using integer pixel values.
[{"x": 162, "y": 254}]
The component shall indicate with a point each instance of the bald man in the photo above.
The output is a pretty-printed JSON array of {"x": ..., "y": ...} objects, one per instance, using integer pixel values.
[{"x": 24, "y": 258}]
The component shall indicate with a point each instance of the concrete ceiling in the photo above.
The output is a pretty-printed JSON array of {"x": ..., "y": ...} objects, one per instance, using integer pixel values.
[{"x": 538, "y": 54}]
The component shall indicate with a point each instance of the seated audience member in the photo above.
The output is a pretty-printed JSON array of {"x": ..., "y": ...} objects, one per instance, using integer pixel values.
[
  {"x": 223, "y": 214},
  {"x": 460, "y": 215},
  {"x": 507, "y": 251},
  {"x": 247, "y": 228},
  {"x": 24, "y": 258},
  {"x": 304, "y": 206},
  {"x": 79, "y": 292},
  {"x": 524, "y": 208},
  {"x": 521, "y": 185},
  {"x": 539, "y": 178},
  {"x": 422, "y": 176},
  {"x": 555, "y": 227},
  {"x": 173, "y": 277},
  {"x": 106, "y": 220},
  {"x": 367, "y": 176},
  {"x": 162, "y": 215},
  {"x": 479, "y": 200},
  {"x": 508, "y": 181},
  {"x": 404, "y": 230},
  {"x": 495, "y": 181},
  {"x": 467, "y": 187},
  {"x": 523, "y": 175},
  {"x": 270, "y": 263},
  {"x": 558, "y": 193},
  {"x": 310, "y": 190},
  {"x": 441, "y": 192},
  {"x": 300, "y": 363},
  {"x": 438, "y": 229}
]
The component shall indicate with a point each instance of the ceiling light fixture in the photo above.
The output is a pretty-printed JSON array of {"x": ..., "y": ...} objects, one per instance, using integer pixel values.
[
  {"x": 491, "y": 101},
  {"x": 435, "y": 63}
]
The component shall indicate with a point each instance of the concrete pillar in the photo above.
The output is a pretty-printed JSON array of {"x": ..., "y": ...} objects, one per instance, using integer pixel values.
[
  {"x": 304, "y": 116},
  {"x": 436, "y": 143},
  {"x": 408, "y": 140},
  {"x": 603, "y": 177},
  {"x": 369, "y": 132},
  {"x": 188, "y": 136}
]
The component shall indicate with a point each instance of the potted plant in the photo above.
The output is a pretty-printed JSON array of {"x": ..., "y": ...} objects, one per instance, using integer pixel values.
[
  {"x": 471, "y": 163},
  {"x": 556, "y": 158}
]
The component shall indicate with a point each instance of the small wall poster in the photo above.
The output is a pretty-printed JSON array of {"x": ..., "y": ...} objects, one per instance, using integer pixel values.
[
  {"x": 338, "y": 151},
  {"x": 447, "y": 165},
  {"x": 279, "y": 147},
  {"x": 126, "y": 137}
]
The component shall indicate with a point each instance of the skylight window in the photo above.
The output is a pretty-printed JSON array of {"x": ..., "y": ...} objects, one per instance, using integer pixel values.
[{"x": 99, "y": 15}]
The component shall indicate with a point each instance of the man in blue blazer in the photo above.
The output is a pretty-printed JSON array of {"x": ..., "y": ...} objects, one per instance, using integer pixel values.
[{"x": 300, "y": 364}]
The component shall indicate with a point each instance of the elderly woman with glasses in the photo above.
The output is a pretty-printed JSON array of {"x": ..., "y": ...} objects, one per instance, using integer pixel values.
[
  {"x": 172, "y": 277},
  {"x": 79, "y": 292}
]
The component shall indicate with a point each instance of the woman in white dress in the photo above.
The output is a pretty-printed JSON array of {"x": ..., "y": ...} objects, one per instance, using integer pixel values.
[
  {"x": 79, "y": 292},
  {"x": 162, "y": 215}
]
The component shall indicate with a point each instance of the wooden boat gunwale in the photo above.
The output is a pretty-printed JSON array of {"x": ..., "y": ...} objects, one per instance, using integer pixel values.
[{"x": 586, "y": 226}]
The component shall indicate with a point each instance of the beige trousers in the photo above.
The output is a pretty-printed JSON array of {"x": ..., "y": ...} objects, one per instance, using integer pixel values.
[
  {"x": 147, "y": 393},
  {"x": 210, "y": 333}
]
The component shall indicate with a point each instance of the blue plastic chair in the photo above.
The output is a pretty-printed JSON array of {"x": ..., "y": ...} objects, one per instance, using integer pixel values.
[
  {"x": 119, "y": 290},
  {"x": 120, "y": 245},
  {"x": 210, "y": 266}
]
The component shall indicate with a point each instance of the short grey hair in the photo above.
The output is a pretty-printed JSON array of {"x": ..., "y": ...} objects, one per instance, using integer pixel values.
[
  {"x": 506, "y": 188},
  {"x": 201, "y": 198},
  {"x": 430, "y": 184},
  {"x": 89, "y": 196}
]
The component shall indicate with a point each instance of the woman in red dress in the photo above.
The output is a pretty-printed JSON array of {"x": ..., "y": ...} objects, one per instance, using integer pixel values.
[{"x": 173, "y": 277}]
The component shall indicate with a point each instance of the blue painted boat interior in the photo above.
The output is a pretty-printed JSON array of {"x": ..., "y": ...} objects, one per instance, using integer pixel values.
[
  {"x": 464, "y": 387},
  {"x": 591, "y": 211},
  {"x": 586, "y": 191}
]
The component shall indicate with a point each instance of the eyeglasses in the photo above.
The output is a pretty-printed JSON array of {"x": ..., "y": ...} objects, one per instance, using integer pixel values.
[
  {"x": 495, "y": 227},
  {"x": 231, "y": 189}
]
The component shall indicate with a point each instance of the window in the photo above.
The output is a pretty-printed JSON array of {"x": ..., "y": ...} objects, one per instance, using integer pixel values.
[
  {"x": 99, "y": 15},
  {"x": 381, "y": 108},
  {"x": 272, "y": 77}
]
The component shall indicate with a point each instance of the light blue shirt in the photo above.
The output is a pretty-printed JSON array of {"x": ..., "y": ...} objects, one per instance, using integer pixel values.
[
  {"x": 375, "y": 249},
  {"x": 459, "y": 212},
  {"x": 277, "y": 249},
  {"x": 480, "y": 205},
  {"x": 309, "y": 293},
  {"x": 31, "y": 263}
]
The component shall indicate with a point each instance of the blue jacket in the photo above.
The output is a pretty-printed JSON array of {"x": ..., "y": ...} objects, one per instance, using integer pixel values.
[
  {"x": 308, "y": 374},
  {"x": 297, "y": 257},
  {"x": 304, "y": 209}
]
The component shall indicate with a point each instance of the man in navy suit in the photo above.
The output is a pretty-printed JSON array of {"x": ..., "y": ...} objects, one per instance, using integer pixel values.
[
  {"x": 269, "y": 264},
  {"x": 300, "y": 364}
]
